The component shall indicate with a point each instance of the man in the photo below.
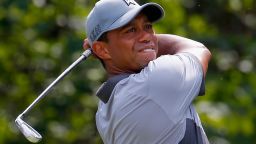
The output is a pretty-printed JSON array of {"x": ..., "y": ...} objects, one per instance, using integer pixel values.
[{"x": 152, "y": 78}]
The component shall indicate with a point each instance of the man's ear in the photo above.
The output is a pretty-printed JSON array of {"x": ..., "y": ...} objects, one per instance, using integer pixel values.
[{"x": 100, "y": 50}]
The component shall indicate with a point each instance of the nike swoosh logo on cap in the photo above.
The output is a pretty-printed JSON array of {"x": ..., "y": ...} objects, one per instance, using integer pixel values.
[{"x": 128, "y": 2}]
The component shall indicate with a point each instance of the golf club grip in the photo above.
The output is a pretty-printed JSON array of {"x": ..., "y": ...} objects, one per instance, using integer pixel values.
[{"x": 84, "y": 55}]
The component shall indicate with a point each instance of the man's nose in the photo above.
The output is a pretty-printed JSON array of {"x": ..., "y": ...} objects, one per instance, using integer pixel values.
[{"x": 144, "y": 36}]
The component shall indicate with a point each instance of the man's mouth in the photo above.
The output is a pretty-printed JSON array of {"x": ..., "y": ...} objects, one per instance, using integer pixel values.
[{"x": 147, "y": 50}]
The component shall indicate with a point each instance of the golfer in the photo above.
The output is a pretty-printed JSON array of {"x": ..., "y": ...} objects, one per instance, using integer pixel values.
[{"x": 152, "y": 78}]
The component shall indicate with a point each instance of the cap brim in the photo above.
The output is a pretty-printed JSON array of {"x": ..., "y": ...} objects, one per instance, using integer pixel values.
[{"x": 153, "y": 11}]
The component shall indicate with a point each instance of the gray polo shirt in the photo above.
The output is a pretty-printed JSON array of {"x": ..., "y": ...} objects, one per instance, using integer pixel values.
[{"x": 153, "y": 106}]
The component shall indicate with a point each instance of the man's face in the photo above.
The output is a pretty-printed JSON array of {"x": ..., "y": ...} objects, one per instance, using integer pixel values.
[{"x": 132, "y": 46}]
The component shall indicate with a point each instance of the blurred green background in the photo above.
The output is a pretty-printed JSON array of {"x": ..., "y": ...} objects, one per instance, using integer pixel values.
[{"x": 41, "y": 38}]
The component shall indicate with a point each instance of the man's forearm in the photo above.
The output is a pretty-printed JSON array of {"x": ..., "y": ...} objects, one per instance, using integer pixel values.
[{"x": 172, "y": 44}]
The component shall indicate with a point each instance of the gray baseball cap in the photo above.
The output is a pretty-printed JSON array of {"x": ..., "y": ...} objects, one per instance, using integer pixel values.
[{"x": 112, "y": 14}]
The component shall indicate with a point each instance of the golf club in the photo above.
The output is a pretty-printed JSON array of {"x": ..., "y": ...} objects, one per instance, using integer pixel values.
[{"x": 31, "y": 134}]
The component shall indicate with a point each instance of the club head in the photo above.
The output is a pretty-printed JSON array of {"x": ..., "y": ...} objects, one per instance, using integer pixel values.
[{"x": 31, "y": 134}]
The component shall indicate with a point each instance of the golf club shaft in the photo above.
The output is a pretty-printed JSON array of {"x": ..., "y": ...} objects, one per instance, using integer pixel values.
[{"x": 84, "y": 55}]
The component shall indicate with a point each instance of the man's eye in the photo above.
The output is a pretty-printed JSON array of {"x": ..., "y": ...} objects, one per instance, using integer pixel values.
[
  {"x": 131, "y": 30},
  {"x": 148, "y": 26}
]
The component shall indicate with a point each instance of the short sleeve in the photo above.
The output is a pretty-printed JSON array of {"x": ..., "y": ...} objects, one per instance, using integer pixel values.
[{"x": 174, "y": 81}]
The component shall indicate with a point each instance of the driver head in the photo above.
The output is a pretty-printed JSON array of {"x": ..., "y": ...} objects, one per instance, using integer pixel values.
[{"x": 31, "y": 134}]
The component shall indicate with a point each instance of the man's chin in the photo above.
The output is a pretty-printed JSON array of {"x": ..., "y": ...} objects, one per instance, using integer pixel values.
[
  {"x": 146, "y": 62},
  {"x": 147, "y": 56}
]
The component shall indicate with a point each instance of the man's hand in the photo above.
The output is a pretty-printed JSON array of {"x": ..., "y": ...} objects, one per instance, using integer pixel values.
[{"x": 86, "y": 44}]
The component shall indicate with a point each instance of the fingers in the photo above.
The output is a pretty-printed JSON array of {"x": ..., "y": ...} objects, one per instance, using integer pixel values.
[{"x": 86, "y": 44}]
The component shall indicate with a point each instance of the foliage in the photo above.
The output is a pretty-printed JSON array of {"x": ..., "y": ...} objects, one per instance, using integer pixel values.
[{"x": 40, "y": 38}]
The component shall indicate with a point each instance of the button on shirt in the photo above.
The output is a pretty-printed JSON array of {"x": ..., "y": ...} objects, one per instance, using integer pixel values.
[{"x": 152, "y": 107}]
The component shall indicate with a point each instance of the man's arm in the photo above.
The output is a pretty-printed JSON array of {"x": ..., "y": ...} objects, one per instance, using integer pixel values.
[{"x": 172, "y": 44}]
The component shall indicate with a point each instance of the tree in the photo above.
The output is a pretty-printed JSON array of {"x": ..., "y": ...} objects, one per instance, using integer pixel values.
[{"x": 40, "y": 38}]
